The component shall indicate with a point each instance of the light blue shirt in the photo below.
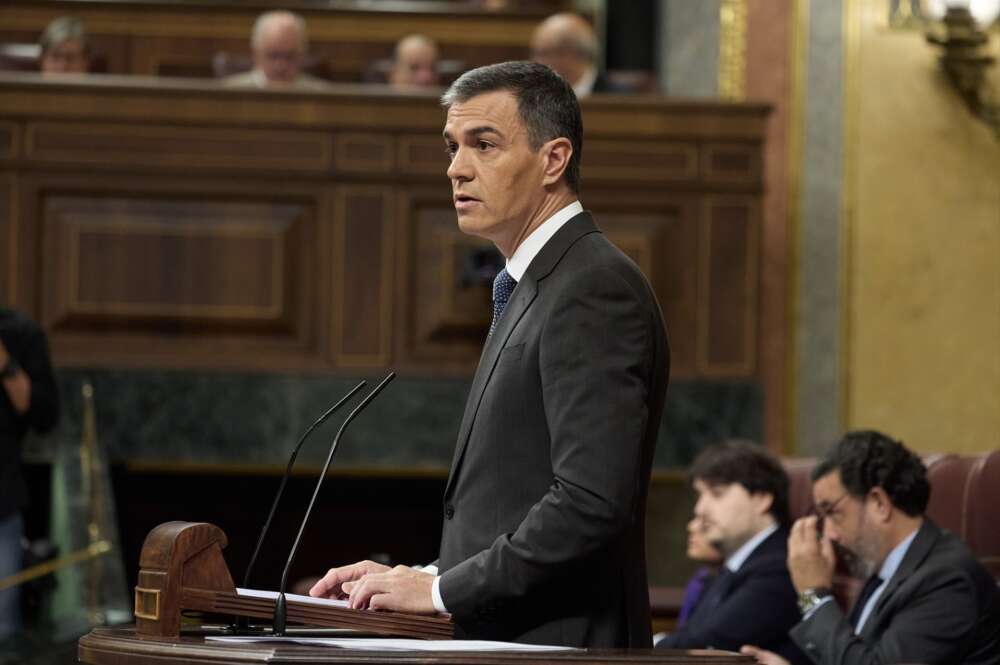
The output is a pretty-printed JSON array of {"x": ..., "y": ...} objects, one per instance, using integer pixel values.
[
  {"x": 889, "y": 568},
  {"x": 735, "y": 560}
]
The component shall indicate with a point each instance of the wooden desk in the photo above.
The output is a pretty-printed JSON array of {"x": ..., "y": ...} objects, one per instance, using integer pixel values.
[
  {"x": 173, "y": 223},
  {"x": 120, "y": 646}
]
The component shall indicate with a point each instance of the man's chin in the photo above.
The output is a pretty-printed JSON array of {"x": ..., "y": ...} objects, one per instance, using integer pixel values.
[{"x": 857, "y": 566}]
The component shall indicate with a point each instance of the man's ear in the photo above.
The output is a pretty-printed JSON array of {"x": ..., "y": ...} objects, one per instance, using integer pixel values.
[
  {"x": 557, "y": 153},
  {"x": 763, "y": 502},
  {"x": 878, "y": 503}
]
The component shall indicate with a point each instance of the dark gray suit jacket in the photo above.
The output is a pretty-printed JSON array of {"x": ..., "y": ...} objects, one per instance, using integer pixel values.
[
  {"x": 543, "y": 538},
  {"x": 941, "y": 606}
]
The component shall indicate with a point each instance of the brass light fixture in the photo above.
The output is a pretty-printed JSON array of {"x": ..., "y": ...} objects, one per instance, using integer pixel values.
[{"x": 966, "y": 61}]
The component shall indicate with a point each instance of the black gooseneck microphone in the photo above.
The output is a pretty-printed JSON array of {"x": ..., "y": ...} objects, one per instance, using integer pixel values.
[
  {"x": 242, "y": 623},
  {"x": 280, "y": 606}
]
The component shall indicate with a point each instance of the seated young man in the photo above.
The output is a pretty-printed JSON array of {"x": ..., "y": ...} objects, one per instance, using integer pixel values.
[
  {"x": 926, "y": 598},
  {"x": 743, "y": 509}
]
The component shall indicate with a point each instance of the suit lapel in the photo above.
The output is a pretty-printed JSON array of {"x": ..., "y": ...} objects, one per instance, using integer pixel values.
[
  {"x": 524, "y": 294},
  {"x": 921, "y": 546},
  {"x": 522, "y": 298}
]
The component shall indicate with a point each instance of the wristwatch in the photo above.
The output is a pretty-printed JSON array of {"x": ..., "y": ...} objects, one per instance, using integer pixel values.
[
  {"x": 809, "y": 599},
  {"x": 10, "y": 368}
]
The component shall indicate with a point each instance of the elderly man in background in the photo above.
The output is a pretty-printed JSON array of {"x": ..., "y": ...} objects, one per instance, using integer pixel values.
[
  {"x": 414, "y": 62},
  {"x": 64, "y": 47},
  {"x": 566, "y": 43},
  {"x": 279, "y": 44}
]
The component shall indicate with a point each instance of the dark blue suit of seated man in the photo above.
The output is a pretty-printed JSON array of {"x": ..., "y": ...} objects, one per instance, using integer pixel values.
[{"x": 742, "y": 508}]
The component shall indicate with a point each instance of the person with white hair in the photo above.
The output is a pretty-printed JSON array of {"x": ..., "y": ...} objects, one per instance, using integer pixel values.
[
  {"x": 64, "y": 47},
  {"x": 280, "y": 44}
]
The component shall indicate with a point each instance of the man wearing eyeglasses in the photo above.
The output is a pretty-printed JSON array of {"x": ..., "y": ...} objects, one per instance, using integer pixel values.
[{"x": 926, "y": 599}]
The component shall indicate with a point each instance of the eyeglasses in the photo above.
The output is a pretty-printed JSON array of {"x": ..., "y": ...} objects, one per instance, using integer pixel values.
[{"x": 824, "y": 511}]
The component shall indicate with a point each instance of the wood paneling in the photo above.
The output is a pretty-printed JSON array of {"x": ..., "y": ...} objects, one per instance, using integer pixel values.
[
  {"x": 728, "y": 272},
  {"x": 363, "y": 276},
  {"x": 631, "y": 161},
  {"x": 10, "y": 139},
  {"x": 177, "y": 224},
  {"x": 201, "y": 148},
  {"x": 8, "y": 241},
  {"x": 445, "y": 306},
  {"x": 662, "y": 244}
]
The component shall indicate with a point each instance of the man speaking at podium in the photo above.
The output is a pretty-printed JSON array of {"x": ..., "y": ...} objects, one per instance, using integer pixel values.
[{"x": 543, "y": 538}]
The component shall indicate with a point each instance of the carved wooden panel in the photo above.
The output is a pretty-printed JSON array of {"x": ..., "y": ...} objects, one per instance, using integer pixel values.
[
  {"x": 728, "y": 270},
  {"x": 444, "y": 285},
  {"x": 8, "y": 238},
  {"x": 422, "y": 155},
  {"x": 188, "y": 147},
  {"x": 10, "y": 139},
  {"x": 364, "y": 153},
  {"x": 640, "y": 161},
  {"x": 363, "y": 276},
  {"x": 216, "y": 277},
  {"x": 737, "y": 163},
  {"x": 662, "y": 244}
]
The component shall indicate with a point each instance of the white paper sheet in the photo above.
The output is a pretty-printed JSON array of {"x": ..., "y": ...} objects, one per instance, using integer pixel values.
[
  {"x": 394, "y": 644},
  {"x": 273, "y": 595}
]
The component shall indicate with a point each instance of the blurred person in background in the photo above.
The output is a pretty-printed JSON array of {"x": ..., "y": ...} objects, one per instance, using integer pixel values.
[
  {"x": 566, "y": 43},
  {"x": 64, "y": 47},
  {"x": 29, "y": 400},
  {"x": 414, "y": 62},
  {"x": 280, "y": 45}
]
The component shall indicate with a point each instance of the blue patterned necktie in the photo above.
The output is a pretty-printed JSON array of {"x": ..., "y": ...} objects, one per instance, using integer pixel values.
[{"x": 503, "y": 286}]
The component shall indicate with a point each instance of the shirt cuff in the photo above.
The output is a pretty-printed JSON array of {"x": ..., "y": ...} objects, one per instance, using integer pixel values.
[
  {"x": 431, "y": 569},
  {"x": 812, "y": 610},
  {"x": 436, "y": 595}
]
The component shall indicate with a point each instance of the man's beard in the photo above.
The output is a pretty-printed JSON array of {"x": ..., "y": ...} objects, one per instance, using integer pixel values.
[
  {"x": 858, "y": 565},
  {"x": 861, "y": 559}
]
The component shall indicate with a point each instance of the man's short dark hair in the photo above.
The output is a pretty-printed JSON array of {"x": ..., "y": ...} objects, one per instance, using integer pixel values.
[
  {"x": 868, "y": 459},
  {"x": 748, "y": 464},
  {"x": 546, "y": 104}
]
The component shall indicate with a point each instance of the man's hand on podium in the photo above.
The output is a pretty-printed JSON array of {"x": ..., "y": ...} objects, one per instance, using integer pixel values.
[
  {"x": 331, "y": 585},
  {"x": 367, "y": 584}
]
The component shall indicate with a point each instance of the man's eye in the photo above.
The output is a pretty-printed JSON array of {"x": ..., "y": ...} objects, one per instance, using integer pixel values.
[
  {"x": 484, "y": 145},
  {"x": 450, "y": 150}
]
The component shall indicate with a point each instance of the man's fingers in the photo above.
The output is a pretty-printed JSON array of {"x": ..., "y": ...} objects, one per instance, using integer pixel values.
[
  {"x": 362, "y": 590},
  {"x": 762, "y": 655},
  {"x": 330, "y": 585},
  {"x": 826, "y": 547}
]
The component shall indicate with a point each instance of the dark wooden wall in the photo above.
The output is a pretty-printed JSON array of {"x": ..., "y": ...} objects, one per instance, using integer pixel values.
[{"x": 159, "y": 224}]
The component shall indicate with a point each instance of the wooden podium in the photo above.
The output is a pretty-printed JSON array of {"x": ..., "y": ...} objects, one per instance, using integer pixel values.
[
  {"x": 181, "y": 568},
  {"x": 122, "y": 646}
]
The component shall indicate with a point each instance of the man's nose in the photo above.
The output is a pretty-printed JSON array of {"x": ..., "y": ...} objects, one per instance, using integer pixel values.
[{"x": 459, "y": 168}]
